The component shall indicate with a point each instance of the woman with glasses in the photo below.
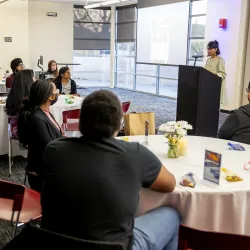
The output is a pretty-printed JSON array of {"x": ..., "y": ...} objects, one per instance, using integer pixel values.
[
  {"x": 216, "y": 64},
  {"x": 237, "y": 125}
]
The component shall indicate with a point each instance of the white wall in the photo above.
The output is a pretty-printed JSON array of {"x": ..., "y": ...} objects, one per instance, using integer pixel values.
[
  {"x": 13, "y": 23},
  {"x": 232, "y": 42},
  {"x": 51, "y": 37},
  {"x": 34, "y": 33}
]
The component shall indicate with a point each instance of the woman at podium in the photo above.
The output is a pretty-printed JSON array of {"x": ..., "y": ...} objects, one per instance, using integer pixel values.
[{"x": 216, "y": 65}]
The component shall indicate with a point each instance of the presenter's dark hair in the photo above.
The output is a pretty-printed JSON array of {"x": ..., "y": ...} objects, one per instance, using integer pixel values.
[
  {"x": 214, "y": 45},
  {"x": 101, "y": 115}
]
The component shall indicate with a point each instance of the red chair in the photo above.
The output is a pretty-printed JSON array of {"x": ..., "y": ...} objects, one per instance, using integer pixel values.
[
  {"x": 200, "y": 240},
  {"x": 73, "y": 115},
  {"x": 125, "y": 107},
  {"x": 18, "y": 204}
]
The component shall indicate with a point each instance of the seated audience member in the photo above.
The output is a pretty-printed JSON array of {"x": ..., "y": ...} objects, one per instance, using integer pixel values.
[
  {"x": 16, "y": 65},
  {"x": 237, "y": 125},
  {"x": 37, "y": 127},
  {"x": 52, "y": 71},
  {"x": 20, "y": 91},
  {"x": 93, "y": 183},
  {"x": 64, "y": 83}
]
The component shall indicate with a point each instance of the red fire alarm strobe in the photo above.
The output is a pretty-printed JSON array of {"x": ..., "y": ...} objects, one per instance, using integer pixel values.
[{"x": 223, "y": 23}]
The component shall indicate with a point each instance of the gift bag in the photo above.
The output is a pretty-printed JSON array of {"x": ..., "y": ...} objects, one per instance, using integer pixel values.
[{"x": 134, "y": 123}]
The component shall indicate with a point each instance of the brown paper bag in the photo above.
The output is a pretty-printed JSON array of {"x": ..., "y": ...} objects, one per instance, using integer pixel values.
[{"x": 134, "y": 123}]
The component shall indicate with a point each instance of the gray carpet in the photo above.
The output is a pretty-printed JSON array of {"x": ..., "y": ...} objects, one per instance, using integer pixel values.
[{"x": 165, "y": 110}]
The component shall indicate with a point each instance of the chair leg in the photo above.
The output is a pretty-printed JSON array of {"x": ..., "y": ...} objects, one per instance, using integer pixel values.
[
  {"x": 16, "y": 224},
  {"x": 25, "y": 178}
]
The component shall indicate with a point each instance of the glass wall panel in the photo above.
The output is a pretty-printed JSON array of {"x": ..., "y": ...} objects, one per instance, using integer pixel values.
[
  {"x": 125, "y": 80},
  {"x": 146, "y": 84},
  {"x": 168, "y": 87}
]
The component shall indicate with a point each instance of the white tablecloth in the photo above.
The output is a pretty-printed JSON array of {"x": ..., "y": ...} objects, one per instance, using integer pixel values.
[
  {"x": 224, "y": 208},
  {"x": 2, "y": 87},
  {"x": 61, "y": 106},
  {"x": 4, "y": 143}
]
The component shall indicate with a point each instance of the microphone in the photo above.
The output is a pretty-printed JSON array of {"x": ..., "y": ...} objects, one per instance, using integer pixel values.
[{"x": 197, "y": 56}]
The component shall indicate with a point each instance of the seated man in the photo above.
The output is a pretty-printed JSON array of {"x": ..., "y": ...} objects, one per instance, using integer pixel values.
[
  {"x": 92, "y": 183},
  {"x": 16, "y": 65},
  {"x": 237, "y": 125}
]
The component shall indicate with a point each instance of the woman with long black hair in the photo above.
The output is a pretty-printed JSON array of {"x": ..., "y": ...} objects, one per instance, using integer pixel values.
[
  {"x": 216, "y": 64},
  {"x": 20, "y": 90},
  {"x": 64, "y": 83},
  {"x": 37, "y": 127}
]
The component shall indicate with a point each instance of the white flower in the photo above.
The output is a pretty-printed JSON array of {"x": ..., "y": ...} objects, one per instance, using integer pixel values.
[
  {"x": 181, "y": 132},
  {"x": 189, "y": 127},
  {"x": 181, "y": 124},
  {"x": 163, "y": 127},
  {"x": 170, "y": 129},
  {"x": 172, "y": 123}
]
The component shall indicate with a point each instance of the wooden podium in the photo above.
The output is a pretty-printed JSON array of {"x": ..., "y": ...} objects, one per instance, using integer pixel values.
[{"x": 198, "y": 100}]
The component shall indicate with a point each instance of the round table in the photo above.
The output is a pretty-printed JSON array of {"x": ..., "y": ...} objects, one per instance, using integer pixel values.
[
  {"x": 224, "y": 208},
  {"x": 61, "y": 106},
  {"x": 4, "y": 141},
  {"x": 2, "y": 87}
]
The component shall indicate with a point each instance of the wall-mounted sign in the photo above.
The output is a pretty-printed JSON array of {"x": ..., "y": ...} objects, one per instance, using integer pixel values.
[
  {"x": 8, "y": 39},
  {"x": 52, "y": 14}
]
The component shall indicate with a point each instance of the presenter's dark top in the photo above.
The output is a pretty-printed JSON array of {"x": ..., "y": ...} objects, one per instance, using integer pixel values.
[
  {"x": 237, "y": 126},
  {"x": 91, "y": 188}
]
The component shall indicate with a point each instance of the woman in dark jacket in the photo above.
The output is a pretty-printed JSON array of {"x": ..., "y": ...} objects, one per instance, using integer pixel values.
[
  {"x": 64, "y": 83},
  {"x": 52, "y": 71},
  {"x": 37, "y": 127}
]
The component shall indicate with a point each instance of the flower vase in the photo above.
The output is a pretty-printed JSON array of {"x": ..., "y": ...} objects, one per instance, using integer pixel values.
[{"x": 173, "y": 151}]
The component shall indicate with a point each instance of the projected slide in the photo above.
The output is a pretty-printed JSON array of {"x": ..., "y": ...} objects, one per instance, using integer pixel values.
[{"x": 162, "y": 34}]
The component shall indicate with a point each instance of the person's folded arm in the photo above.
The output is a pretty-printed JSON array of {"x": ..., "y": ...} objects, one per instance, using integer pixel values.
[
  {"x": 154, "y": 174},
  {"x": 41, "y": 131},
  {"x": 229, "y": 127},
  {"x": 221, "y": 69}
]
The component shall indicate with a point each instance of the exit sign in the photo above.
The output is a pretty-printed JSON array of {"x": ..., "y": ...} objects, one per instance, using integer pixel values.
[
  {"x": 53, "y": 14},
  {"x": 8, "y": 39}
]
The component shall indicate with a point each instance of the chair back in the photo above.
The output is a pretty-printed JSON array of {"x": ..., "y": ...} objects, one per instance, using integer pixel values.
[
  {"x": 200, "y": 240},
  {"x": 125, "y": 106},
  {"x": 12, "y": 191},
  {"x": 45, "y": 238},
  {"x": 73, "y": 114},
  {"x": 12, "y": 128}
]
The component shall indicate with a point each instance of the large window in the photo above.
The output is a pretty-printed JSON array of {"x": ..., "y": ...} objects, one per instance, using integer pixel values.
[
  {"x": 197, "y": 25},
  {"x": 126, "y": 47},
  {"x": 155, "y": 79},
  {"x": 91, "y": 46}
]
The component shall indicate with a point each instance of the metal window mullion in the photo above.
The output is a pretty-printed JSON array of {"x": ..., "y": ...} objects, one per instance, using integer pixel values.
[
  {"x": 135, "y": 71},
  {"x": 189, "y": 31},
  {"x": 157, "y": 79}
]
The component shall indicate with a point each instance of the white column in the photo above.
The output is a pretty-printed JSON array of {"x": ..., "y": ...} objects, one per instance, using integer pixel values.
[{"x": 112, "y": 47}]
